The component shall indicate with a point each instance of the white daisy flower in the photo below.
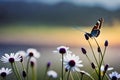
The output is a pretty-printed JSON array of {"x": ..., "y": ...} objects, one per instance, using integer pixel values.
[
  {"x": 114, "y": 75},
  {"x": 10, "y": 58},
  {"x": 72, "y": 62},
  {"x": 4, "y": 72},
  {"x": 33, "y": 53},
  {"x": 52, "y": 73},
  {"x": 62, "y": 50},
  {"x": 22, "y": 54},
  {"x": 33, "y": 61},
  {"x": 103, "y": 68}
]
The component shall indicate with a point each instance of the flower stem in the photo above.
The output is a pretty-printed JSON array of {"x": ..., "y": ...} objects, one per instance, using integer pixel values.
[
  {"x": 62, "y": 67},
  {"x": 71, "y": 76},
  {"x": 81, "y": 78},
  {"x": 33, "y": 74},
  {"x": 45, "y": 73},
  {"x": 17, "y": 71},
  {"x": 98, "y": 46},
  {"x": 27, "y": 68},
  {"x": 93, "y": 53},
  {"x": 14, "y": 71},
  {"x": 68, "y": 74}
]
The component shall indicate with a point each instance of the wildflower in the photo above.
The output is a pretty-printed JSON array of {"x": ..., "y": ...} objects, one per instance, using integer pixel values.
[
  {"x": 72, "y": 62},
  {"x": 4, "y": 72},
  {"x": 52, "y": 73},
  {"x": 32, "y": 61},
  {"x": 114, "y": 75},
  {"x": 10, "y": 58},
  {"x": 48, "y": 64},
  {"x": 99, "y": 50},
  {"x": 87, "y": 36},
  {"x": 105, "y": 68},
  {"x": 24, "y": 74},
  {"x": 92, "y": 65},
  {"x": 62, "y": 50},
  {"x": 106, "y": 43},
  {"x": 22, "y": 54},
  {"x": 83, "y": 51},
  {"x": 33, "y": 53}
]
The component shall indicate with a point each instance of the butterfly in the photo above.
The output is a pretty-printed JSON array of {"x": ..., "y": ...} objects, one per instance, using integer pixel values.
[{"x": 95, "y": 32}]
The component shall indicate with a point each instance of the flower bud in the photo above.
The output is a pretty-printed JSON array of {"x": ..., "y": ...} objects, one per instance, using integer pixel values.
[
  {"x": 99, "y": 50},
  {"x": 106, "y": 43},
  {"x": 83, "y": 51},
  {"x": 48, "y": 64},
  {"x": 92, "y": 65},
  {"x": 62, "y": 50},
  {"x": 86, "y": 36},
  {"x": 24, "y": 74},
  {"x": 32, "y": 64},
  {"x": 106, "y": 67}
]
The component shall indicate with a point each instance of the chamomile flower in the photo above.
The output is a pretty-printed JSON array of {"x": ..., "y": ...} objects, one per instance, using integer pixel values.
[
  {"x": 72, "y": 62},
  {"x": 52, "y": 74},
  {"x": 114, "y": 75},
  {"x": 62, "y": 50},
  {"x": 33, "y": 61},
  {"x": 10, "y": 58},
  {"x": 31, "y": 52},
  {"x": 22, "y": 54},
  {"x": 103, "y": 69},
  {"x": 4, "y": 72}
]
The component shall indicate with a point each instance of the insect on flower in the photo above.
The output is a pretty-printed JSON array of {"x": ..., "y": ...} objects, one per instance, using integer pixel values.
[{"x": 95, "y": 32}]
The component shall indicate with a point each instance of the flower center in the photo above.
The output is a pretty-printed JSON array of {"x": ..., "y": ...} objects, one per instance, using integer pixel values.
[
  {"x": 71, "y": 63},
  {"x": 11, "y": 60},
  {"x": 114, "y": 78},
  {"x": 62, "y": 50},
  {"x": 30, "y": 54},
  {"x": 3, "y": 74}
]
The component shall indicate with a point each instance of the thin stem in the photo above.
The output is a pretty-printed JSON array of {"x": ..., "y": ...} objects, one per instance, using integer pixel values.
[
  {"x": 77, "y": 76},
  {"x": 17, "y": 72},
  {"x": 23, "y": 70},
  {"x": 27, "y": 68},
  {"x": 99, "y": 73},
  {"x": 68, "y": 74},
  {"x": 45, "y": 73},
  {"x": 96, "y": 72},
  {"x": 81, "y": 77},
  {"x": 14, "y": 71},
  {"x": 98, "y": 46},
  {"x": 103, "y": 55},
  {"x": 64, "y": 75},
  {"x": 71, "y": 76},
  {"x": 33, "y": 74},
  {"x": 62, "y": 67},
  {"x": 107, "y": 77},
  {"x": 93, "y": 53},
  {"x": 89, "y": 76},
  {"x": 88, "y": 59}
]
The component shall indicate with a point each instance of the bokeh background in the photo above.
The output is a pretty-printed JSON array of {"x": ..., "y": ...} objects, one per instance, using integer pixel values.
[{"x": 47, "y": 24}]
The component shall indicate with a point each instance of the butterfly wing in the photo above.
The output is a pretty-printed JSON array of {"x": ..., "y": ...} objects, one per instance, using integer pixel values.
[{"x": 96, "y": 29}]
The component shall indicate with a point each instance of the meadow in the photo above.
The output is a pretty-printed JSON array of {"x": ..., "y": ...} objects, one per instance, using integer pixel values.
[{"x": 47, "y": 38}]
